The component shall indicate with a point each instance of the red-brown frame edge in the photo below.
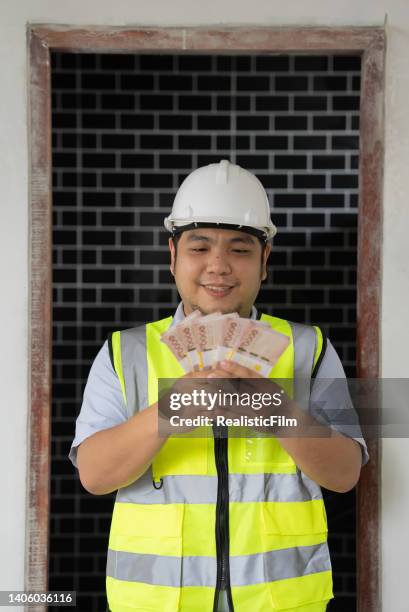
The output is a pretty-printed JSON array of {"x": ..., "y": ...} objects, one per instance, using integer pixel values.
[{"x": 42, "y": 39}]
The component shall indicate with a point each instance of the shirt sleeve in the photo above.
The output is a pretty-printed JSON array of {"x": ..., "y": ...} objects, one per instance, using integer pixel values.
[
  {"x": 330, "y": 400},
  {"x": 103, "y": 405}
]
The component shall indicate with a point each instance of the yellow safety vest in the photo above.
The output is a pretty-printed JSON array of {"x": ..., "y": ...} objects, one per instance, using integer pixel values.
[{"x": 202, "y": 497}]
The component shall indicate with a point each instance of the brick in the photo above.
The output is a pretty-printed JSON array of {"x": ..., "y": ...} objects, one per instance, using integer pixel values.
[
  {"x": 78, "y": 257},
  {"x": 117, "y": 101},
  {"x": 310, "y": 142},
  {"x": 331, "y": 239},
  {"x": 194, "y": 142},
  {"x": 327, "y": 200},
  {"x": 136, "y": 121},
  {"x": 235, "y": 142},
  {"x": 272, "y": 63},
  {"x": 64, "y": 276},
  {"x": 136, "y": 276},
  {"x": 345, "y": 142},
  {"x": 135, "y": 315},
  {"x": 64, "y": 160},
  {"x": 344, "y": 181},
  {"x": 292, "y": 122},
  {"x": 137, "y": 160},
  {"x": 327, "y": 277},
  {"x": 309, "y": 103},
  {"x": 237, "y": 103},
  {"x": 118, "y": 141},
  {"x": 175, "y": 122},
  {"x": 307, "y": 296},
  {"x": 253, "y": 162},
  {"x": 137, "y": 82},
  {"x": 191, "y": 103},
  {"x": 274, "y": 181},
  {"x": 347, "y": 62},
  {"x": 334, "y": 162},
  {"x": 151, "y": 218},
  {"x": 63, "y": 80},
  {"x": 155, "y": 295},
  {"x": 98, "y": 160},
  {"x": 265, "y": 103},
  {"x": 117, "y": 61},
  {"x": 328, "y": 122},
  {"x": 252, "y": 122},
  {"x": 117, "y": 295},
  {"x": 156, "y": 180},
  {"x": 289, "y": 277},
  {"x": 98, "y": 275},
  {"x": 272, "y": 142},
  {"x": 62, "y": 237},
  {"x": 329, "y": 83},
  {"x": 308, "y": 258},
  {"x": 213, "y": 122},
  {"x": 268, "y": 296},
  {"x": 92, "y": 198},
  {"x": 155, "y": 257},
  {"x": 156, "y": 102},
  {"x": 64, "y": 120},
  {"x": 98, "y": 314},
  {"x": 98, "y": 238},
  {"x": 78, "y": 179},
  {"x": 290, "y": 162},
  {"x": 291, "y": 83},
  {"x": 290, "y": 239},
  {"x": 117, "y": 218},
  {"x": 156, "y": 62},
  {"x": 309, "y": 181},
  {"x": 137, "y": 238},
  {"x": 110, "y": 179},
  {"x": 175, "y": 161},
  {"x": 344, "y": 220},
  {"x": 297, "y": 200},
  {"x": 308, "y": 220},
  {"x": 311, "y": 62},
  {"x": 342, "y": 296},
  {"x": 194, "y": 62},
  {"x": 175, "y": 82},
  {"x": 156, "y": 142},
  {"x": 343, "y": 258},
  {"x": 253, "y": 83},
  {"x": 97, "y": 80},
  {"x": 214, "y": 83},
  {"x": 346, "y": 103}
]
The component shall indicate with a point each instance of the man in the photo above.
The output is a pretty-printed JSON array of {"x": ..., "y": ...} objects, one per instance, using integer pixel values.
[{"x": 213, "y": 523}]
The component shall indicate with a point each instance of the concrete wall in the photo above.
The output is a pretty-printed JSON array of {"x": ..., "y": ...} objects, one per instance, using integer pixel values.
[{"x": 14, "y": 228}]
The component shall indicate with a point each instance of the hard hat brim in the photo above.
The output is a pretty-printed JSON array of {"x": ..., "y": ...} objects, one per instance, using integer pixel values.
[{"x": 262, "y": 235}]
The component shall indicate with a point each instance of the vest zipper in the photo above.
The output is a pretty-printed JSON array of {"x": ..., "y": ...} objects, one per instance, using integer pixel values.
[{"x": 222, "y": 518}]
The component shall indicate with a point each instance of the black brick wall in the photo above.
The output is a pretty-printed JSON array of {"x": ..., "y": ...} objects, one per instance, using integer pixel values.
[{"x": 127, "y": 129}]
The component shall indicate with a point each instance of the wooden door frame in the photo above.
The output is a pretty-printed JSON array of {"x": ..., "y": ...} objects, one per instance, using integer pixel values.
[{"x": 370, "y": 43}]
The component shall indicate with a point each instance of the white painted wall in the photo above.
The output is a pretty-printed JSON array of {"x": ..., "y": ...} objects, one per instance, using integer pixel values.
[{"x": 14, "y": 230}]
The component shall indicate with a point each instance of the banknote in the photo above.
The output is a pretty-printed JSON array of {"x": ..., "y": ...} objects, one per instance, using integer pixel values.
[{"x": 201, "y": 341}]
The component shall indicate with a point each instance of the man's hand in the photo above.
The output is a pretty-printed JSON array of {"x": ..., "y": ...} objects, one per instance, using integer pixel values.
[{"x": 325, "y": 455}]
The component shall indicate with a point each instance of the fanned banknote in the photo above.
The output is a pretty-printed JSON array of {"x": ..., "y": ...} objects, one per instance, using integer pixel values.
[{"x": 201, "y": 341}]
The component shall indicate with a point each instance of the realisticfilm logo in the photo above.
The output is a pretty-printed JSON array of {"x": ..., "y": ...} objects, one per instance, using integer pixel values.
[{"x": 221, "y": 400}]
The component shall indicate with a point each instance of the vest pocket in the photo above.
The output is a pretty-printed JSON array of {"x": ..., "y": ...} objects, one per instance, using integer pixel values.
[
  {"x": 294, "y": 518},
  {"x": 259, "y": 455},
  {"x": 151, "y": 529}
]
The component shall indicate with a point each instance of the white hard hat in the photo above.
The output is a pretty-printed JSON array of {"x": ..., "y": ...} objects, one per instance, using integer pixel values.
[{"x": 222, "y": 194}]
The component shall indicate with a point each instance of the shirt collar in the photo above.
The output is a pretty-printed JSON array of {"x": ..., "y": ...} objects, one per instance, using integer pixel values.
[{"x": 180, "y": 315}]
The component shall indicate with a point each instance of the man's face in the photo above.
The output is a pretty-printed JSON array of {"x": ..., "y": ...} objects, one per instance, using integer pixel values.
[{"x": 218, "y": 269}]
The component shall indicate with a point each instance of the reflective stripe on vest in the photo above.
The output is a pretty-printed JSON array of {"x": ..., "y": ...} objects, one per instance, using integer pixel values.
[{"x": 162, "y": 551}]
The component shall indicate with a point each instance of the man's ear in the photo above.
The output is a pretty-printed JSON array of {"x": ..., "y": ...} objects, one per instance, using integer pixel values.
[
  {"x": 266, "y": 253},
  {"x": 172, "y": 256}
]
